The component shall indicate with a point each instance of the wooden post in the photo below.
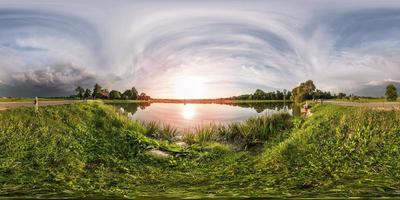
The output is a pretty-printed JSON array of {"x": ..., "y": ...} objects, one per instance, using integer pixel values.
[{"x": 36, "y": 104}]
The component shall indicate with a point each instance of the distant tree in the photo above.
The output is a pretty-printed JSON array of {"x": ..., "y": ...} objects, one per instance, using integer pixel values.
[
  {"x": 278, "y": 95},
  {"x": 318, "y": 94},
  {"x": 115, "y": 94},
  {"x": 96, "y": 91},
  {"x": 341, "y": 95},
  {"x": 87, "y": 94},
  {"x": 104, "y": 94},
  {"x": 127, "y": 94},
  {"x": 80, "y": 91},
  {"x": 391, "y": 93},
  {"x": 134, "y": 93},
  {"x": 288, "y": 95},
  {"x": 143, "y": 96},
  {"x": 259, "y": 94}
]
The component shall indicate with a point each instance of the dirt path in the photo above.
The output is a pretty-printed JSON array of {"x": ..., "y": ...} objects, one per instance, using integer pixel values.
[
  {"x": 9, "y": 105},
  {"x": 378, "y": 105}
]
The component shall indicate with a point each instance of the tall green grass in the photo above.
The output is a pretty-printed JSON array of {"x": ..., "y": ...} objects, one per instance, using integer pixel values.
[
  {"x": 82, "y": 147},
  {"x": 160, "y": 131},
  {"x": 256, "y": 130},
  {"x": 90, "y": 150},
  {"x": 339, "y": 150}
]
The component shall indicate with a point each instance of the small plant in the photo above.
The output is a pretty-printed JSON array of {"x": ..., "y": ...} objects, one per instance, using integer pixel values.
[{"x": 162, "y": 132}]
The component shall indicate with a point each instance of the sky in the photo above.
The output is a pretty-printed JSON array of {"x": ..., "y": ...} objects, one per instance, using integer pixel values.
[{"x": 198, "y": 49}]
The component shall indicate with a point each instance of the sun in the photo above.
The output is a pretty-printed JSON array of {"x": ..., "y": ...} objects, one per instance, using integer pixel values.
[
  {"x": 188, "y": 111},
  {"x": 189, "y": 87}
]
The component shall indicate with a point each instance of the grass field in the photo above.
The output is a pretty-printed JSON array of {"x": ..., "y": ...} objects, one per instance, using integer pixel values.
[{"x": 90, "y": 150}]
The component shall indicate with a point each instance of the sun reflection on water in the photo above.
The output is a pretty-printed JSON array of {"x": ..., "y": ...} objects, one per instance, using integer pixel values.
[{"x": 188, "y": 111}]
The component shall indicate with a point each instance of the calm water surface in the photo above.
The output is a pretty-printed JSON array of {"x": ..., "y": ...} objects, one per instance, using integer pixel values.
[{"x": 189, "y": 116}]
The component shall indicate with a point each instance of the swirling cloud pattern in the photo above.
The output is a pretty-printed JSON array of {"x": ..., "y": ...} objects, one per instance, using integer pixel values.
[{"x": 218, "y": 48}]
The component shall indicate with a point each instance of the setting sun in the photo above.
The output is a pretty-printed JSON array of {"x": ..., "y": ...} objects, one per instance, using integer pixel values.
[
  {"x": 188, "y": 111},
  {"x": 190, "y": 87}
]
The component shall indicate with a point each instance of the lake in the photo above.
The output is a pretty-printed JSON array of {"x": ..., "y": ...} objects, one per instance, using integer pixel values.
[{"x": 189, "y": 116}]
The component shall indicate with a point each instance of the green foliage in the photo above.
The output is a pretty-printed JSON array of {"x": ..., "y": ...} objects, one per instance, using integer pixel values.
[
  {"x": 341, "y": 95},
  {"x": 97, "y": 91},
  {"x": 67, "y": 148},
  {"x": 115, "y": 94},
  {"x": 90, "y": 150},
  {"x": 162, "y": 132},
  {"x": 80, "y": 92},
  {"x": 261, "y": 95},
  {"x": 134, "y": 93},
  {"x": 391, "y": 93},
  {"x": 87, "y": 94},
  {"x": 253, "y": 131},
  {"x": 127, "y": 94},
  {"x": 303, "y": 92},
  {"x": 131, "y": 94},
  {"x": 339, "y": 150}
]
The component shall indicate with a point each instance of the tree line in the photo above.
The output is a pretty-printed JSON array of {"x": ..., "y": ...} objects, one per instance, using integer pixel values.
[
  {"x": 102, "y": 93},
  {"x": 305, "y": 91},
  {"x": 261, "y": 95}
]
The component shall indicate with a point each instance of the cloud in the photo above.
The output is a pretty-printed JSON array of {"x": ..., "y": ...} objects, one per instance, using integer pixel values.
[
  {"x": 234, "y": 47},
  {"x": 382, "y": 82},
  {"x": 60, "y": 79}
]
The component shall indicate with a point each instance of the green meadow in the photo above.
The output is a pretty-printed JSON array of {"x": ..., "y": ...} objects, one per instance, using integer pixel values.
[{"x": 92, "y": 150}]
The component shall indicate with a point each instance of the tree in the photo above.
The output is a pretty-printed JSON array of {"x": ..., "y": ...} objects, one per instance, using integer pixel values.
[
  {"x": 143, "y": 96},
  {"x": 304, "y": 91},
  {"x": 127, "y": 94},
  {"x": 104, "y": 94},
  {"x": 259, "y": 94},
  {"x": 391, "y": 93},
  {"x": 87, "y": 94},
  {"x": 96, "y": 91},
  {"x": 134, "y": 93},
  {"x": 341, "y": 95},
  {"x": 79, "y": 90},
  {"x": 115, "y": 94},
  {"x": 288, "y": 95}
]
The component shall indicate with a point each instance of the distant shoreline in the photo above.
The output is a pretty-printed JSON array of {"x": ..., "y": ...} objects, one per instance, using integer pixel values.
[
  {"x": 152, "y": 100},
  {"x": 196, "y": 101}
]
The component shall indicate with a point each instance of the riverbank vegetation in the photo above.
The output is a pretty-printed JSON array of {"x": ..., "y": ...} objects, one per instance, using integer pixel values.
[
  {"x": 92, "y": 150},
  {"x": 103, "y": 93}
]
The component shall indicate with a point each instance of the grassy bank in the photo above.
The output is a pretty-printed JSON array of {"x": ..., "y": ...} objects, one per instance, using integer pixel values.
[{"x": 89, "y": 149}]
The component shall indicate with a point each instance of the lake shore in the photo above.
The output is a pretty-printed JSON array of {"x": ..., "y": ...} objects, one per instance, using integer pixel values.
[
  {"x": 197, "y": 101},
  {"x": 91, "y": 149}
]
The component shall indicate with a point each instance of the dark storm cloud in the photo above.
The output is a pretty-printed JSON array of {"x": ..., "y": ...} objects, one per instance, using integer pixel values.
[
  {"x": 378, "y": 89},
  {"x": 58, "y": 79}
]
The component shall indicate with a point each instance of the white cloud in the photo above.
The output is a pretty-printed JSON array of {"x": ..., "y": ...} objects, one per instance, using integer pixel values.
[{"x": 267, "y": 44}]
